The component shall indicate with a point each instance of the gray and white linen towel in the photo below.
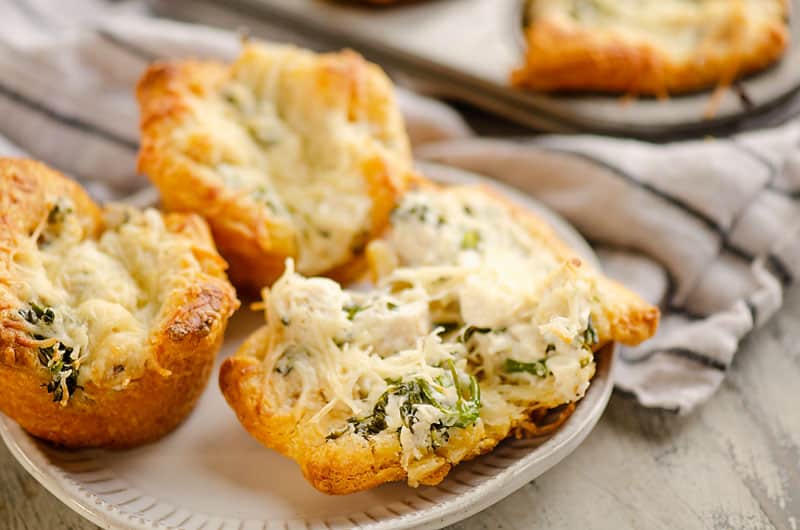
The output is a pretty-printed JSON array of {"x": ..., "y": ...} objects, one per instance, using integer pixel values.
[{"x": 708, "y": 229}]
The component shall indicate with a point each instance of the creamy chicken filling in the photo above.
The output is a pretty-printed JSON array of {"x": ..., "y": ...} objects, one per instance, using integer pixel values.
[{"x": 88, "y": 304}]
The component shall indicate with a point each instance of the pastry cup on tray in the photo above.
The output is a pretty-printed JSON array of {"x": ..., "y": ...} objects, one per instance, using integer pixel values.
[{"x": 656, "y": 47}]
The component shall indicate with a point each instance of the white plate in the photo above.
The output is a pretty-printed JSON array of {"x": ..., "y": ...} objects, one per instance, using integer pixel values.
[{"x": 210, "y": 474}]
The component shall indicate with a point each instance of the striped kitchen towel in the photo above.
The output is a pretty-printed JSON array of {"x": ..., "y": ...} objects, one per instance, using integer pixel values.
[{"x": 708, "y": 229}]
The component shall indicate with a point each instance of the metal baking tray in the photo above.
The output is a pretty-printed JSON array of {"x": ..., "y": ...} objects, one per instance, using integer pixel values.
[{"x": 466, "y": 49}]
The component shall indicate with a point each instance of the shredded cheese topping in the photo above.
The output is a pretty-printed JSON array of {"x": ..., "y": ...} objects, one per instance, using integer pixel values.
[{"x": 89, "y": 304}]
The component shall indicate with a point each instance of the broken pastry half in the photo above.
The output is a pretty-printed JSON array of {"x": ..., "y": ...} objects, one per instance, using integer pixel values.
[
  {"x": 110, "y": 318},
  {"x": 648, "y": 47},
  {"x": 480, "y": 320},
  {"x": 285, "y": 152}
]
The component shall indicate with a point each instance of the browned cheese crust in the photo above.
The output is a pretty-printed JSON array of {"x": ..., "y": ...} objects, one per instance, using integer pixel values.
[
  {"x": 577, "y": 45},
  {"x": 183, "y": 340},
  {"x": 183, "y": 149}
]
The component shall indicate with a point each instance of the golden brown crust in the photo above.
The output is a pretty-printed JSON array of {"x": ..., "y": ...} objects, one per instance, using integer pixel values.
[
  {"x": 254, "y": 242},
  {"x": 184, "y": 338},
  {"x": 575, "y": 58}
]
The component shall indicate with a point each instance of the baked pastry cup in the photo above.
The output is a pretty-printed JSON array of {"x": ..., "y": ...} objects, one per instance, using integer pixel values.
[
  {"x": 652, "y": 47},
  {"x": 110, "y": 317},
  {"x": 286, "y": 153},
  {"x": 480, "y": 324}
]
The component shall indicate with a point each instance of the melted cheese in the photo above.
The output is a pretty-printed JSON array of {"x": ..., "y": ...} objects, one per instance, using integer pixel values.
[
  {"x": 336, "y": 354},
  {"x": 283, "y": 134},
  {"x": 678, "y": 28},
  {"x": 105, "y": 292},
  {"x": 471, "y": 286}
]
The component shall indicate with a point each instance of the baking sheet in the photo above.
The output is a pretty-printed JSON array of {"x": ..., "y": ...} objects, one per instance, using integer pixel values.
[{"x": 465, "y": 49}]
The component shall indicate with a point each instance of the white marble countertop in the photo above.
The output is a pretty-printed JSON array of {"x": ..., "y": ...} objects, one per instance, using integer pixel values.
[{"x": 735, "y": 463}]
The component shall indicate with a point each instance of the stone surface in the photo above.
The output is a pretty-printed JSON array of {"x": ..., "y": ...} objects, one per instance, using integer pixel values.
[{"x": 735, "y": 463}]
